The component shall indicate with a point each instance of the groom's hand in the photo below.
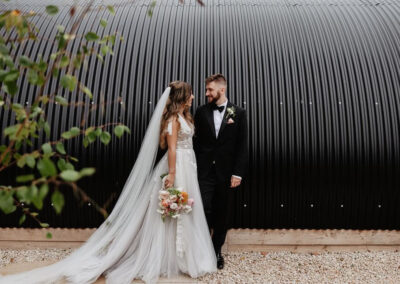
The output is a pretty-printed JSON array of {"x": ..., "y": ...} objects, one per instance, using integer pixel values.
[{"x": 235, "y": 181}]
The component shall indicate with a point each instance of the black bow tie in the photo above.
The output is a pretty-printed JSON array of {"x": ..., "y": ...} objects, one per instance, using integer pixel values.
[{"x": 219, "y": 108}]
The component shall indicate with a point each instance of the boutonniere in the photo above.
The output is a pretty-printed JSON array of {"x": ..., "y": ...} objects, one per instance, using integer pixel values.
[{"x": 230, "y": 113}]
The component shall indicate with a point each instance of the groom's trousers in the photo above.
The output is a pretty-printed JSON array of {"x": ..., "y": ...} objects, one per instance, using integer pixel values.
[{"x": 217, "y": 200}]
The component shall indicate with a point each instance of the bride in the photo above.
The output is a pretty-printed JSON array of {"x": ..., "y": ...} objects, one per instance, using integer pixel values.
[{"x": 134, "y": 242}]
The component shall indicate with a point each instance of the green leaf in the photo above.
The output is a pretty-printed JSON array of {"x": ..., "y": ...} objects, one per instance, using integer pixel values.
[
  {"x": 68, "y": 82},
  {"x": 4, "y": 49},
  {"x": 87, "y": 91},
  {"x": 100, "y": 57},
  {"x": 56, "y": 72},
  {"x": 42, "y": 66},
  {"x": 57, "y": 198},
  {"x": 64, "y": 61},
  {"x": 74, "y": 159},
  {"x": 61, "y": 164},
  {"x": 111, "y": 9},
  {"x": 89, "y": 130},
  {"x": 62, "y": 101},
  {"x": 44, "y": 189},
  {"x": 126, "y": 128},
  {"x": 46, "y": 167},
  {"x": 7, "y": 202},
  {"x": 69, "y": 166},
  {"x": 51, "y": 10},
  {"x": 49, "y": 235},
  {"x": 16, "y": 106},
  {"x": 10, "y": 88},
  {"x": 25, "y": 178},
  {"x": 3, "y": 74},
  {"x": 119, "y": 130},
  {"x": 60, "y": 148},
  {"x": 44, "y": 225},
  {"x": 74, "y": 131},
  {"x": 87, "y": 171},
  {"x": 70, "y": 175},
  {"x": 47, "y": 129},
  {"x": 86, "y": 141},
  {"x": 37, "y": 200},
  {"x": 22, "y": 219},
  {"x": 98, "y": 131},
  {"x": 91, "y": 36},
  {"x": 33, "y": 76},
  {"x": 11, "y": 76},
  {"x": 21, "y": 161},
  {"x": 104, "y": 49},
  {"x": 47, "y": 148},
  {"x": 92, "y": 136},
  {"x": 105, "y": 137},
  {"x": 30, "y": 161},
  {"x": 22, "y": 193},
  {"x": 103, "y": 23},
  {"x": 11, "y": 130}
]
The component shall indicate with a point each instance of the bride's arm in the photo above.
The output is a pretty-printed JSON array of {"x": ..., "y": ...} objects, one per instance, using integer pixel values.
[{"x": 172, "y": 139}]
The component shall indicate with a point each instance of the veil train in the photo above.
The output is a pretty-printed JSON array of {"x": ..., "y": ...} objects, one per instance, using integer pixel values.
[{"x": 112, "y": 239}]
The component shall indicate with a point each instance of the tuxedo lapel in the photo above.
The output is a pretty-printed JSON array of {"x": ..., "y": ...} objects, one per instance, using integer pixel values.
[
  {"x": 223, "y": 123},
  {"x": 210, "y": 119}
]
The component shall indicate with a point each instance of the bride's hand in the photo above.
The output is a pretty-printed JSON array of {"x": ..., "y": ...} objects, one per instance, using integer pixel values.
[{"x": 169, "y": 181}]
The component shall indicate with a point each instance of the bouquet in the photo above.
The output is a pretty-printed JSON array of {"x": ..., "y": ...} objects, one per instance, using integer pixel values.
[{"x": 173, "y": 202}]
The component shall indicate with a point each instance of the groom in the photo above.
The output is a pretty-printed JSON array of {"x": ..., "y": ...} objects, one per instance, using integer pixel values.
[{"x": 220, "y": 144}]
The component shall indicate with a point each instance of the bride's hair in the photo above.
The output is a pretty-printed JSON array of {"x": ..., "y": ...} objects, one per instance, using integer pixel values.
[{"x": 180, "y": 94}]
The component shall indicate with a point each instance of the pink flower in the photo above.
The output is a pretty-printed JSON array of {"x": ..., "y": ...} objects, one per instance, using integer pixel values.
[
  {"x": 190, "y": 202},
  {"x": 230, "y": 121}
]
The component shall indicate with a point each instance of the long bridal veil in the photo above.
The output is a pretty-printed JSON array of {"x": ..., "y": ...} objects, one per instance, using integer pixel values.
[{"x": 113, "y": 238}]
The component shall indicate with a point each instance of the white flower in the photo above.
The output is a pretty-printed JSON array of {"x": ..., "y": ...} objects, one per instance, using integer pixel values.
[
  {"x": 231, "y": 111},
  {"x": 188, "y": 209},
  {"x": 173, "y": 198},
  {"x": 163, "y": 194},
  {"x": 173, "y": 206}
]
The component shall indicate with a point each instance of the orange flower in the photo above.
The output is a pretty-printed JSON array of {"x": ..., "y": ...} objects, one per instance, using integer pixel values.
[
  {"x": 185, "y": 196},
  {"x": 15, "y": 12}
]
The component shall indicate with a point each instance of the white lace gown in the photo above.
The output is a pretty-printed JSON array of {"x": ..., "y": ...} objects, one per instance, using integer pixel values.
[
  {"x": 156, "y": 251},
  {"x": 134, "y": 243}
]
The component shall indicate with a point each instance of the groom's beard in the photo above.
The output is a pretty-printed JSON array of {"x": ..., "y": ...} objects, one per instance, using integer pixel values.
[{"x": 215, "y": 99}]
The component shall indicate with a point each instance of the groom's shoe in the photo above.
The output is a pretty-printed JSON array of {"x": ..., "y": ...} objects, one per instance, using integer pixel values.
[{"x": 220, "y": 261}]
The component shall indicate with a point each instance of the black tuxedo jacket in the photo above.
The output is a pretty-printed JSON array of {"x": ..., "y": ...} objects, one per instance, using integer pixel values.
[{"x": 228, "y": 152}]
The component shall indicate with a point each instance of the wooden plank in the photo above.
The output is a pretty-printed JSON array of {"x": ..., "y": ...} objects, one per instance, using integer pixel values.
[{"x": 236, "y": 238}]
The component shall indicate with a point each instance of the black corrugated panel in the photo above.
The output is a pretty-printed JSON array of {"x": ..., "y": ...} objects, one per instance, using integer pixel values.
[{"x": 319, "y": 79}]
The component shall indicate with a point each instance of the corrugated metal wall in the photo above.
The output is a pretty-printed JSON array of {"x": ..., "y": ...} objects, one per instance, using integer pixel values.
[{"x": 320, "y": 81}]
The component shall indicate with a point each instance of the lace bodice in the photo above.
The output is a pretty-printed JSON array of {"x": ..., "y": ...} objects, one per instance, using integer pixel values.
[{"x": 185, "y": 133}]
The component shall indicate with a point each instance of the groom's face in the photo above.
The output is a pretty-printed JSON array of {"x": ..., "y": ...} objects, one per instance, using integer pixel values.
[{"x": 214, "y": 91}]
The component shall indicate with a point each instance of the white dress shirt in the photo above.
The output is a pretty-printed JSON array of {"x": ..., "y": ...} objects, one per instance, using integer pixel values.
[{"x": 218, "y": 117}]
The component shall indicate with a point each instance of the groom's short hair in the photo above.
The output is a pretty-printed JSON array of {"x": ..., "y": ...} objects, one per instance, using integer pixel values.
[{"x": 218, "y": 78}]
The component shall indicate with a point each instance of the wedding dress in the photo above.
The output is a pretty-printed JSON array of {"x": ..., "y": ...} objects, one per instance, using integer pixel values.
[{"x": 134, "y": 242}]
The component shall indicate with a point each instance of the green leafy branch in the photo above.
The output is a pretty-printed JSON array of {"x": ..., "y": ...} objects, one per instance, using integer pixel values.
[{"x": 49, "y": 168}]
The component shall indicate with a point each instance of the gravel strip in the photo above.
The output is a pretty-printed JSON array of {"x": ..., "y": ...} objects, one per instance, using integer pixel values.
[
  {"x": 8, "y": 256},
  {"x": 324, "y": 267},
  {"x": 272, "y": 267}
]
